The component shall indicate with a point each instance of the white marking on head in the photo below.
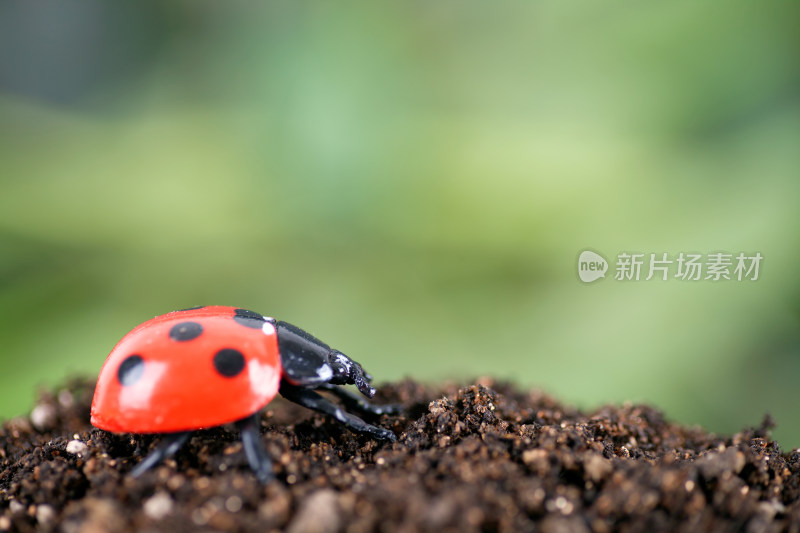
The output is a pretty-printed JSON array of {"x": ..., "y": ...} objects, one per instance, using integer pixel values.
[
  {"x": 268, "y": 328},
  {"x": 325, "y": 372}
]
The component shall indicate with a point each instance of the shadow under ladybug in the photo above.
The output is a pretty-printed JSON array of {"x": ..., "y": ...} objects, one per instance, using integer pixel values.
[{"x": 207, "y": 366}]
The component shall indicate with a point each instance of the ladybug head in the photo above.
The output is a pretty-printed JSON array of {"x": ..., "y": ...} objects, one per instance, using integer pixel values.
[
  {"x": 345, "y": 371},
  {"x": 308, "y": 361}
]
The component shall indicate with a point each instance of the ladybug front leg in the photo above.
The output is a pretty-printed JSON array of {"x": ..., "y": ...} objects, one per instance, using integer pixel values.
[
  {"x": 357, "y": 403},
  {"x": 310, "y": 399}
]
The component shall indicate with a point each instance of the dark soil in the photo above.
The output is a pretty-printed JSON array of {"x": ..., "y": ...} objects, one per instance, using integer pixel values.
[{"x": 483, "y": 457}]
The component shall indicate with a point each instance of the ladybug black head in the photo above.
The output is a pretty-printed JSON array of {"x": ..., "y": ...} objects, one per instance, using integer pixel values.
[{"x": 308, "y": 361}]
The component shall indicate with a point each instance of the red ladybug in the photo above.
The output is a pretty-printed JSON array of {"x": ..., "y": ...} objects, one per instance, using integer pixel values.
[{"x": 208, "y": 366}]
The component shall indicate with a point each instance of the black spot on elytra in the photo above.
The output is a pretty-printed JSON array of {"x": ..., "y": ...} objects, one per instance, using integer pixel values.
[
  {"x": 130, "y": 370},
  {"x": 229, "y": 362},
  {"x": 185, "y": 331},
  {"x": 251, "y": 319}
]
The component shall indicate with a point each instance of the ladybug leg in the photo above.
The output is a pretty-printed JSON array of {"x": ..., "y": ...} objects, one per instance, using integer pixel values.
[
  {"x": 310, "y": 399},
  {"x": 170, "y": 444},
  {"x": 357, "y": 403},
  {"x": 254, "y": 448}
]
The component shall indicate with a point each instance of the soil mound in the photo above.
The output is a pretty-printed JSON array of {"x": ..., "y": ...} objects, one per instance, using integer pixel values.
[{"x": 482, "y": 457}]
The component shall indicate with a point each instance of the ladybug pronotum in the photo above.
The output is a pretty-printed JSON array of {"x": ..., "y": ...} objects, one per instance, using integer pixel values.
[{"x": 208, "y": 366}]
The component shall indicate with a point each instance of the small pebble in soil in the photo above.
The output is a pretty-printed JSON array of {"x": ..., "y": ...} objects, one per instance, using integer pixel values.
[
  {"x": 43, "y": 417},
  {"x": 45, "y": 514},
  {"x": 77, "y": 447},
  {"x": 158, "y": 506}
]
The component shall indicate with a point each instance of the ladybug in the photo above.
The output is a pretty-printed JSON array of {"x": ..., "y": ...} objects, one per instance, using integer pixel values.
[{"x": 207, "y": 366}]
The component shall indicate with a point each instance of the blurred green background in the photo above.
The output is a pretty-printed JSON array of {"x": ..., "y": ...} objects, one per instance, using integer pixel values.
[{"x": 413, "y": 183}]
